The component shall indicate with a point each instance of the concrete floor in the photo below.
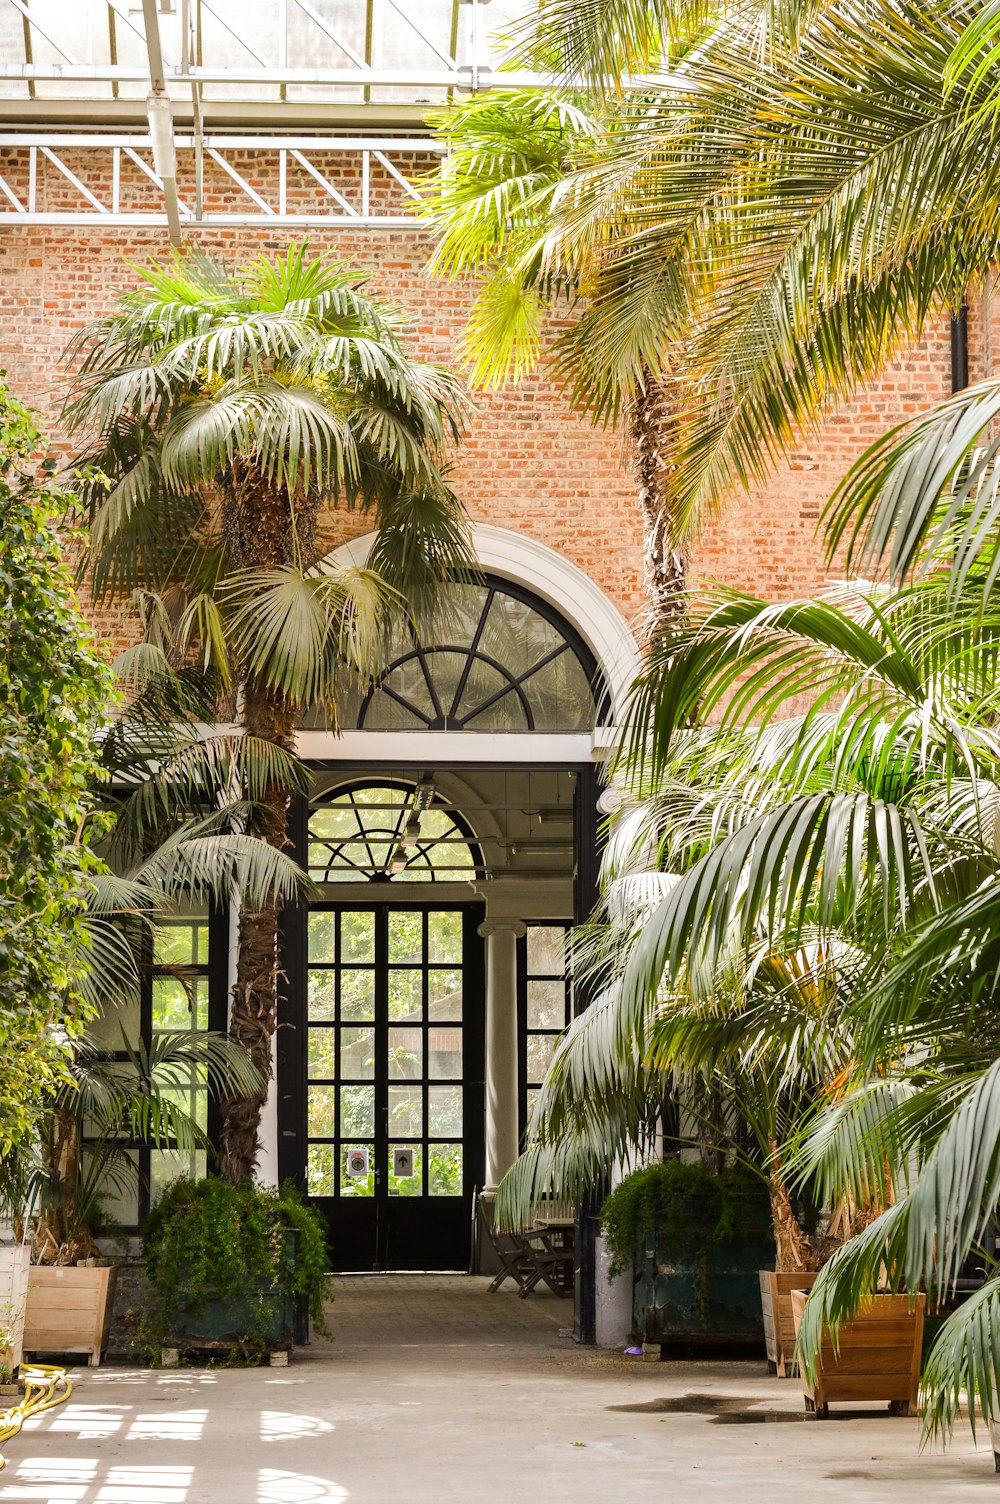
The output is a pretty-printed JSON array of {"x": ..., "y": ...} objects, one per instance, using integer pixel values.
[{"x": 435, "y": 1393}]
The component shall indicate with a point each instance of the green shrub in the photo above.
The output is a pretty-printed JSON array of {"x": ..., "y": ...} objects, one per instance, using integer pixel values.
[
  {"x": 208, "y": 1240},
  {"x": 687, "y": 1208}
]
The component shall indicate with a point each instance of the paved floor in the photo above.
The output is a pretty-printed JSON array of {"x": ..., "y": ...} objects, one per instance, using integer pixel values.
[{"x": 435, "y": 1393}]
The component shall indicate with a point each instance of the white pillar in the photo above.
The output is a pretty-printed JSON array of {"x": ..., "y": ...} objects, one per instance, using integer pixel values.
[{"x": 501, "y": 937}]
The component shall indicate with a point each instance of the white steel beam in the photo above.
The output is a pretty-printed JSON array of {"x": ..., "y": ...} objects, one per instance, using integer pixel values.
[{"x": 97, "y": 160}]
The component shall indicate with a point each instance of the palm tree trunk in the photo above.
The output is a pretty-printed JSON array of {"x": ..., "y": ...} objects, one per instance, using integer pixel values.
[
  {"x": 792, "y": 1250},
  {"x": 652, "y": 435},
  {"x": 253, "y": 1006},
  {"x": 257, "y": 521}
]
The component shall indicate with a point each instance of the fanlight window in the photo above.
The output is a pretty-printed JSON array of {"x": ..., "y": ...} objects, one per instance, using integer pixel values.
[
  {"x": 500, "y": 661},
  {"x": 377, "y": 832}
]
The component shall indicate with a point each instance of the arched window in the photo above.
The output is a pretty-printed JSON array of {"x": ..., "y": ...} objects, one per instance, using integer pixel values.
[
  {"x": 501, "y": 660},
  {"x": 374, "y": 832}
]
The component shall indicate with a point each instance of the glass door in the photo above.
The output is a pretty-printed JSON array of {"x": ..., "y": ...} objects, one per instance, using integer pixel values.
[{"x": 394, "y": 1081}]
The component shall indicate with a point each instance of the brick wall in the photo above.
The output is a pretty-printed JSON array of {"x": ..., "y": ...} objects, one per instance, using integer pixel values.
[{"x": 528, "y": 463}]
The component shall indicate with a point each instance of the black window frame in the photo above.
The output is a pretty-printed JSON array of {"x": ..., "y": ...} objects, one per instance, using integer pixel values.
[{"x": 524, "y": 976}]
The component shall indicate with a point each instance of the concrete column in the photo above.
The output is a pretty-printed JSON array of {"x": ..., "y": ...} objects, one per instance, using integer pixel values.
[{"x": 501, "y": 937}]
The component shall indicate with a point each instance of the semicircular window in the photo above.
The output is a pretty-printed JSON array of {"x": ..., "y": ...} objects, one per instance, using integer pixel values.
[
  {"x": 376, "y": 832},
  {"x": 501, "y": 660}
]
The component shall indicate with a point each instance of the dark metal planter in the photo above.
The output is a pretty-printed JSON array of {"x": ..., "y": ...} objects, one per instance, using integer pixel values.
[{"x": 713, "y": 1299}]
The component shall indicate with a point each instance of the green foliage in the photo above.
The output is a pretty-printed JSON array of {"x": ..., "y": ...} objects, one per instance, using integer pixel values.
[
  {"x": 209, "y": 1240},
  {"x": 686, "y": 1209},
  {"x": 54, "y": 696}
]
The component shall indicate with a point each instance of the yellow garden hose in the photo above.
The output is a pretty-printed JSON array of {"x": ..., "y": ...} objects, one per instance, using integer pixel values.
[{"x": 41, "y": 1382}]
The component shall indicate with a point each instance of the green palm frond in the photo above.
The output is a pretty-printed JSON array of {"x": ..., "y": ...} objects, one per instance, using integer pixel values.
[
  {"x": 925, "y": 496},
  {"x": 197, "y": 863},
  {"x": 303, "y": 633},
  {"x": 962, "y": 1369}
]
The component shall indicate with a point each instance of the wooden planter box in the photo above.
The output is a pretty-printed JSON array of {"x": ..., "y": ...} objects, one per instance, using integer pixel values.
[
  {"x": 67, "y": 1310},
  {"x": 776, "y": 1288},
  {"x": 14, "y": 1264},
  {"x": 877, "y": 1356}
]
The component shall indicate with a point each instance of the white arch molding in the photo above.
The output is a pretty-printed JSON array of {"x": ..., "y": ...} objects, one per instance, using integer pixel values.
[{"x": 524, "y": 561}]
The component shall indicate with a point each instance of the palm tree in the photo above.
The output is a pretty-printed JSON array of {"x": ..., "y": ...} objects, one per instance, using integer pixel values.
[
  {"x": 788, "y": 209},
  {"x": 224, "y": 413},
  {"x": 862, "y": 830},
  {"x": 500, "y": 208}
]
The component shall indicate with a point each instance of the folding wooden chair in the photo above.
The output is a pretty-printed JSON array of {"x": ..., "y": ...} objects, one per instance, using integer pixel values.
[{"x": 517, "y": 1261}]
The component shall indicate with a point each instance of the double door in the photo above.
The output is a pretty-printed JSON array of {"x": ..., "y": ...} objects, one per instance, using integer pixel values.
[{"x": 394, "y": 1081}]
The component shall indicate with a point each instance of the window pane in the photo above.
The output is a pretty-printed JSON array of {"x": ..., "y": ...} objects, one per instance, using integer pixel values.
[
  {"x": 323, "y": 1052},
  {"x": 517, "y": 636},
  {"x": 357, "y": 938},
  {"x": 322, "y": 936},
  {"x": 445, "y": 1053},
  {"x": 546, "y": 950},
  {"x": 386, "y": 714},
  {"x": 323, "y": 995},
  {"x": 445, "y": 995},
  {"x": 193, "y": 1103},
  {"x": 445, "y": 668},
  {"x": 119, "y": 1203},
  {"x": 546, "y": 1005},
  {"x": 357, "y": 1185},
  {"x": 165, "y": 1165},
  {"x": 444, "y": 1111},
  {"x": 180, "y": 1005},
  {"x": 357, "y": 1054},
  {"x": 406, "y": 994},
  {"x": 560, "y": 695},
  {"x": 406, "y": 1111},
  {"x": 181, "y": 943},
  {"x": 406, "y": 937},
  {"x": 406, "y": 1054},
  {"x": 357, "y": 1111},
  {"x": 106, "y": 1030},
  {"x": 322, "y": 1112},
  {"x": 406, "y": 1185},
  {"x": 444, "y": 1166},
  {"x": 444, "y": 938},
  {"x": 333, "y": 822},
  {"x": 505, "y": 713},
  {"x": 321, "y": 1170},
  {"x": 357, "y": 994},
  {"x": 540, "y": 1048},
  {"x": 407, "y": 682}
]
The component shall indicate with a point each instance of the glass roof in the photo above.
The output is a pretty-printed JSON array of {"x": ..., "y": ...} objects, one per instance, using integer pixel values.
[{"x": 270, "y": 52}]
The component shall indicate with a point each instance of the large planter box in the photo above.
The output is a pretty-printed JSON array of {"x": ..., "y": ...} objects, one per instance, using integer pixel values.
[
  {"x": 67, "y": 1310},
  {"x": 877, "y": 1356},
  {"x": 14, "y": 1265},
  {"x": 237, "y": 1320},
  {"x": 711, "y": 1302},
  {"x": 776, "y": 1288}
]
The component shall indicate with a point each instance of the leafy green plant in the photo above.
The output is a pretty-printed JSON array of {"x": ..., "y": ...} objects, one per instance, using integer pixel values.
[
  {"x": 55, "y": 692},
  {"x": 686, "y": 1208},
  {"x": 208, "y": 1240}
]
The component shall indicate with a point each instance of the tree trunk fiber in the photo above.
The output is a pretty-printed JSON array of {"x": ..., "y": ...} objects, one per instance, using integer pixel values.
[
  {"x": 257, "y": 521},
  {"x": 792, "y": 1249},
  {"x": 652, "y": 434},
  {"x": 253, "y": 1007}
]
